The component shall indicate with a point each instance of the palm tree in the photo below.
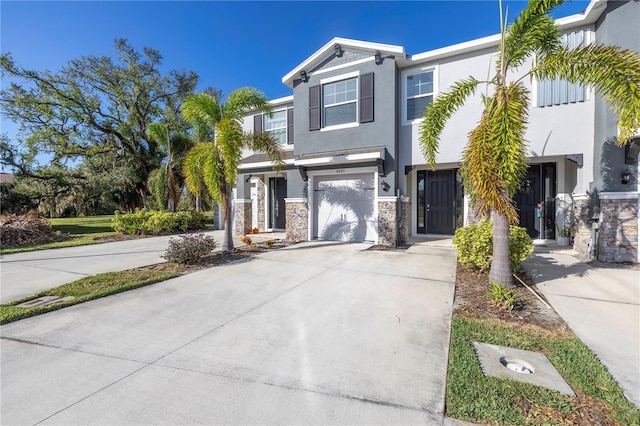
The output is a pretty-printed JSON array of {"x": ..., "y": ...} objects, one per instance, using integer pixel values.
[
  {"x": 169, "y": 175},
  {"x": 213, "y": 162},
  {"x": 494, "y": 160}
]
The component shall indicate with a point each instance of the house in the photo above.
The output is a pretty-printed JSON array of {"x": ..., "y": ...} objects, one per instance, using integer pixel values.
[{"x": 354, "y": 170}]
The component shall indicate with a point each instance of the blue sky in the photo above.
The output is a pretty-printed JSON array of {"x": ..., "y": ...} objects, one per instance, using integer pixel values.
[{"x": 234, "y": 44}]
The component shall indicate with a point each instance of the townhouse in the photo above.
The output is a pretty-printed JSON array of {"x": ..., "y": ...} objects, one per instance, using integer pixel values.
[{"x": 354, "y": 170}]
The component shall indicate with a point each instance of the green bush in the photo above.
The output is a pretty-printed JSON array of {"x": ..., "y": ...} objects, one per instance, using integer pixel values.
[
  {"x": 474, "y": 245},
  {"x": 189, "y": 249},
  {"x": 157, "y": 222}
]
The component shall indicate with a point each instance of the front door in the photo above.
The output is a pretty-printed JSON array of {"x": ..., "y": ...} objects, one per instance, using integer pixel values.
[
  {"x": 440, "y": 201},
  {"x": 277, "y": 194},
  {"x": 527, "y": 199}
]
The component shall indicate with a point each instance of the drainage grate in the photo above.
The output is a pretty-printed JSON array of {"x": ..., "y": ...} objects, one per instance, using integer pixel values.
[{"x": 44, "y": 301}]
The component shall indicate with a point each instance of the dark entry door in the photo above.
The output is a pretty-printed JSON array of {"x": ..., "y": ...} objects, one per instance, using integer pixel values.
[
  {"x": 527, "y": 198},
  {"x": 277, "y": 194},
  {"x": 440, "y": 201}
]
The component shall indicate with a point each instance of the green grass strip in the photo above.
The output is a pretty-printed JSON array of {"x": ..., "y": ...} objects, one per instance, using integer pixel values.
[
  {"x": 84, "y": 289},
  {"x": 475, "y": 397},
  {"x": 80, "y": 240}
]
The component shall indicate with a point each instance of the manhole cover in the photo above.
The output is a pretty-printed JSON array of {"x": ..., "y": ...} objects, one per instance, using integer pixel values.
[{"x": 517, "y": 365}]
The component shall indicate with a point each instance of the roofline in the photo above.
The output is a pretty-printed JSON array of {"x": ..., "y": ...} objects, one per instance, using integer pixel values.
[
  {"x": 345, "y": 42},
  {"x": 589, "y": 16},
  {"x": 282, "y": 100}
]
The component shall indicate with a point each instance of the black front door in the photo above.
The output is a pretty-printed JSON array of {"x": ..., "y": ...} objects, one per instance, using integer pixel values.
[
  {"x": 527, "y": 199},
  {"x": 440, "y": 201},
  {"x": 277, "y": 194}
]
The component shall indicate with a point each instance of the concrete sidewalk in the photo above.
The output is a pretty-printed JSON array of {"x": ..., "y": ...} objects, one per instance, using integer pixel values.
[
  {"x": 600, "y": 303},
  {"x": 315, "y": 333},
  {"x": 25, "y": 274}
]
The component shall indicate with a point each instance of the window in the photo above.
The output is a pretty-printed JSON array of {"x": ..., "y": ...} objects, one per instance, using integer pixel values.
[
  {"x": 277, "y": 125},
  {"x": 558, "y": 92},
  {"x": 419, "y": 94},
  {"x": 340, "y": 102}
]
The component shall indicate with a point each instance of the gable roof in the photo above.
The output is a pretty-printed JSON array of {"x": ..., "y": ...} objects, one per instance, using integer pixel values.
[{"x": 345, "y": 43}]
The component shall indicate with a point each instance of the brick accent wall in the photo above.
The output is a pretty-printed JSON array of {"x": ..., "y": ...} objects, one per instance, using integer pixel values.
[
  {"x": 618, "y": 237},
  {"x": 387, "y": 222},
  {"x": 405, "y": 221},
  {"x": 261, "y": 204},
  {"x": 297, "y": 219},
  {"x": 242, "y": 218},
  {"x": 583, "y": 226}
]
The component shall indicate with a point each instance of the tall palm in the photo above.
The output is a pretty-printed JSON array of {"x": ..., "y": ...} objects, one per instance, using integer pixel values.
[
  {"x": 213, "y": 162},
  {"x": 159, "y": 133},
  {"x": 494, "y": 160}
]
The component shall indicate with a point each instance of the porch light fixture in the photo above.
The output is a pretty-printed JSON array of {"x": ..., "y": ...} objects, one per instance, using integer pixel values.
[
  {"x": 338, "y": 50},
  {"x": 303, "y": 76},
  {"x": 625, "y": 177},
  {"x": 385, "y": 186},
  {"x": 379, "y": 58},
  {"x": 248, "y": 178}
]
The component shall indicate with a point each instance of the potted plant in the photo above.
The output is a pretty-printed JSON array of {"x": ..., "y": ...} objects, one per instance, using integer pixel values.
[{"x": 564, "y": 235}]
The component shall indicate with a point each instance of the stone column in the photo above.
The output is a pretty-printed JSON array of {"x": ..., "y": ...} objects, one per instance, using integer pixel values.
[
  {"x": 297, "y": 219},
  {"x": 261, "y": 203},
  {"x": 618, "y": 237},
  {"x": 583, "y": 226},
  {"x": 405, "y": 221},
  {"x": 242, "y": 218},
  {"x": 388, "y": 221}
]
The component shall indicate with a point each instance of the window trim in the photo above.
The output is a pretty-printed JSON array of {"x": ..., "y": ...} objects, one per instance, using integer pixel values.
[
  {"x": 265, "y": 117},
  {"x": 335, "y": 79},
  {"x": 405, "y": 75}
]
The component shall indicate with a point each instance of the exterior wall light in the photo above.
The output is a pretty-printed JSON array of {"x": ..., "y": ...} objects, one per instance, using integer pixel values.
[
  {"x": 303, "y": 76},
  {"x": 338, "y": 50},
  {"x": 379, "y": 58},
  {"x": 625, "y": 177},
  {"x": 385, "y": 186}
]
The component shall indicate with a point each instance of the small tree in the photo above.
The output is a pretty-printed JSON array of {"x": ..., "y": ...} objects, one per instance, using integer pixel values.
[
  {"x": 495, "y": 160},
  {"x": 213, "y": 162}
]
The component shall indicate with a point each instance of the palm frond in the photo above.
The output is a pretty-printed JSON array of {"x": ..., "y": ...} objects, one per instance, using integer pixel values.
[
  {"x": 193, "y": 168},
  {"x": 439, "y": 112},
  {"x": 533, "y": 31},
  {"x": 495, "y": 160},
  {"x": 612, "y": 71},
  {"x": 265, "y": 142},
  {"x": 202, "y": 108},
  {"x": 245, "y": 99},
  {"x": 158, "y": 133},
  {"x": 229, "y": 143}
]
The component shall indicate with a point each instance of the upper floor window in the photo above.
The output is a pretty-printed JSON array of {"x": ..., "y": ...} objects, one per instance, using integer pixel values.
[
  {"x": 340, "y": 102},
  {"x": 280, "y": 126},
  {"x": 277, "y": 125},
  {"x": 558, "y": 92},
  {"x": 419, "y": 94}
]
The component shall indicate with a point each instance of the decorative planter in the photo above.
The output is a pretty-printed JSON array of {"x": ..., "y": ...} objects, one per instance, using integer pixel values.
[{"x": 564, "y": 241}]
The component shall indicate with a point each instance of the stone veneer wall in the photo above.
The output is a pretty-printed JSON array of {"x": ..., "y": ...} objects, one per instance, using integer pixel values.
[
  {"x": 387, "y": 222},
  {"x": 261, "y": 204},
  {"x": 297, "y": 219},
  {"x": 618, "y": 236},
  {"x": 583, "y": 225},
  {"x": 242, "y": 219},
  {"x": 405, "y": 221}
]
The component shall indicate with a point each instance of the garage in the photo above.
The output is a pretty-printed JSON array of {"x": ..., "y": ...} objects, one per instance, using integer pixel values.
[{"x": 344, "y": 207}]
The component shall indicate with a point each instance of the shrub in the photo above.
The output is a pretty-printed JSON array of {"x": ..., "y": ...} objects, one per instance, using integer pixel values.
[
  {"x": 157, "y": 222},
  {"x": 190, "y": 248},
  {"x": 474, "y": 245},
  {"x": 502, "y": 295},
  {"x": 27, "y": 229}
]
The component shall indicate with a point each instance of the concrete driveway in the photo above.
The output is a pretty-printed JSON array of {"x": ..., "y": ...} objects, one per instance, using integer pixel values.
[
  {"x": 317, "y": 333},
  {"x": 25, "y": 274}
]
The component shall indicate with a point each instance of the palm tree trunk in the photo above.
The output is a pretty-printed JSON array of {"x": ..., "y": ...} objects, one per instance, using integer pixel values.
[
  {"x": 500, "y": 271},
  {"x": 227, "y": 241}
]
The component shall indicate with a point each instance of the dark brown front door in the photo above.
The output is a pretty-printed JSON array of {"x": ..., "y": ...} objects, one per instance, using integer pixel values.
[{"x": 440, "y": 201}]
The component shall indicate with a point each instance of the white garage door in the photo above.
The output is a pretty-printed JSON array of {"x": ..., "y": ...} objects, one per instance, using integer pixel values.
[{"x": 345, "y": 208}]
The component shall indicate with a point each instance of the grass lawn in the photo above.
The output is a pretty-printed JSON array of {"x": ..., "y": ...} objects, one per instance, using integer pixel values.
[
  {"x": 85, "y": 289},
  {"x": 475, "y": 397},
  {"x": 83, "y": 225}
]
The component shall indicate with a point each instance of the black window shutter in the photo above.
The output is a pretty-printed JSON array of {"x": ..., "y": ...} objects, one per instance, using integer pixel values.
[
  {"x": 290, "y": 126},
  {"x": 314, "y": 108},
  {"x": 257, "y": 123},
  {"x": 366, "y": 98}
]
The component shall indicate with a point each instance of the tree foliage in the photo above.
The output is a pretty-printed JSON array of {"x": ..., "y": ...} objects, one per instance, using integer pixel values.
[{"x": 94, "y": 107}]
